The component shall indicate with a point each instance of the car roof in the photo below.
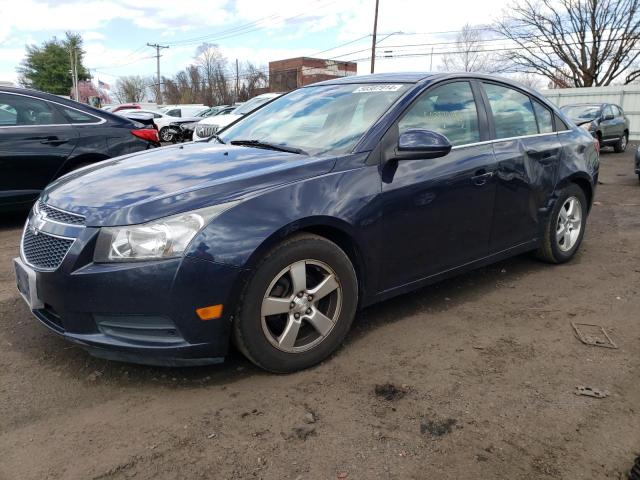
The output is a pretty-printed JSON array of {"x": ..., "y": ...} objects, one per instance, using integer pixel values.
[{"x": 401, "y": 77}]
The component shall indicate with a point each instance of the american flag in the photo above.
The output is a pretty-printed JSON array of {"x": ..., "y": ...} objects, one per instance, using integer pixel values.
[{"x": 104, "y": 85}]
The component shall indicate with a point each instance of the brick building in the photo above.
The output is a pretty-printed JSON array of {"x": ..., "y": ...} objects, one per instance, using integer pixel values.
[{"x": 286, "y": 75}]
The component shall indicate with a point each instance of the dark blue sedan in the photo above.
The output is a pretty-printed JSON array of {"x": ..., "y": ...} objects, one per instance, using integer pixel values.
[{"x": 330, "y": 198}]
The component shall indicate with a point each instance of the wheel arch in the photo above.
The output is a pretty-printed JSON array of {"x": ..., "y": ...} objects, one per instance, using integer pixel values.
[
  {"x": 79, "y": 161},
  {"x": 333, "y": 229},
  {"x": 585, "y": 184}
]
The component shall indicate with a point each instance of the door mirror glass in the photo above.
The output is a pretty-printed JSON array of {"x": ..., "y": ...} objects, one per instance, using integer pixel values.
[{"x": 422, "y": 144}]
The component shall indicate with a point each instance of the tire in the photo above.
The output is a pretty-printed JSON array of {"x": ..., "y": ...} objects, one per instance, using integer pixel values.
[
  {"x": 267, "y": 340},
  {"x": 165, "y": 134},
  {"x": 621, "y": 145},
  {"x": 557, "y": 246}
]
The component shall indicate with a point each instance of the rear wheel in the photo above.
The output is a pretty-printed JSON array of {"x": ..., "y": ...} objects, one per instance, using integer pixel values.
[
  {"x": 621, "y": 145},
  {"x": 298, "y": 306},
  {"x": 165, "y": 134},
  {"x": 565, "y": 226}
]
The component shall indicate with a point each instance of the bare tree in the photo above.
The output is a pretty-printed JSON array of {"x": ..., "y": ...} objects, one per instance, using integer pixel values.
[
  {"x": 468, "y": 54},
  {"x": 529, "y": 80},
  {"x": 577, "y": 43},
  {"x": 131, "y": 88},
  {"x": 214, "y": 70},
  {"x": 253, "y": 81}
]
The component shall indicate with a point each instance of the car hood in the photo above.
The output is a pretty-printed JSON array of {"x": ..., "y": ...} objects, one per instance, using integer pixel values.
[
  {"x": 582, "y": 121},
  {"x": 144, "y": 186}
]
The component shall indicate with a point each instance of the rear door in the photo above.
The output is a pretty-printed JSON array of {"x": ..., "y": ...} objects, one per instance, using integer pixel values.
[
  {"x": 527, "y": 152},
  {"x": 608, "y": 126},
  {"x": 35, "y": 140},
  {"x": 437, "y": 212}
]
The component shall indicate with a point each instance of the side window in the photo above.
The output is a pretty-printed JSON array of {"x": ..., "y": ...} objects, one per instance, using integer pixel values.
[
  {"x": 76, "y": 116},
  {"x": 607, "y": 111},
  {"x": 449, "y": 110},
  {"x": 20, "y": 110},
  {"x": 157, "y": 115},
  {"x": 512, "y": 112},
  {"x": 545, "y": 124}
]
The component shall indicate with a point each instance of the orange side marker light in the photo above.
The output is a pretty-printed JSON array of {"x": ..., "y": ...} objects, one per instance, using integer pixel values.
[{"x": 210, "y": 313}]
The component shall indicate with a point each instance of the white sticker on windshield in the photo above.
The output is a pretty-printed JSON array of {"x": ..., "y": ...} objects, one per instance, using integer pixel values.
[{"x": 377, "y": 88}]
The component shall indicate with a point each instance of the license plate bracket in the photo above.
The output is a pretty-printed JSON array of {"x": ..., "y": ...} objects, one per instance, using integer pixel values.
[{"x": 26, "y": 283}]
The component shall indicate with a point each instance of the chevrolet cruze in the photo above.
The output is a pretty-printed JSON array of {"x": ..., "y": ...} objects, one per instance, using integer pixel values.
[{"x": 274, "y": 232}]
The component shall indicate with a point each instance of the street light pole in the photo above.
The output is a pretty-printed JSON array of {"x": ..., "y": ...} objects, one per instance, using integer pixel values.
[{"x": 373, "y": 42}]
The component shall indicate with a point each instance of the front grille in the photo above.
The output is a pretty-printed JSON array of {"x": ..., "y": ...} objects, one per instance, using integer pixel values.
[
  {"x": 206, "y": 130},
  {"x": 43, "y": 250},
  {"x": 60, "y": 216}
]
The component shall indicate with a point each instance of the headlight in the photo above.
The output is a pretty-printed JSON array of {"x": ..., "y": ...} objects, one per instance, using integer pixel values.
[{"x": 163, "y": 238}]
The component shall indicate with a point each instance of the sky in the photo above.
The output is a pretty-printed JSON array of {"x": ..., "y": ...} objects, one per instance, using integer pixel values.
[{"x": 116, "y": 32}]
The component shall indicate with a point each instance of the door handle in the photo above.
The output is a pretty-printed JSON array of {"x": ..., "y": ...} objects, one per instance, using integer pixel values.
[
  {"x": 54, "y": 141},
  {"x": 481, "y": 177}
]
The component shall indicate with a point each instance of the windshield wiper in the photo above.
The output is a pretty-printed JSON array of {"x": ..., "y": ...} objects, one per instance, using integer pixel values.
[
  {"x": 270, "y": 146},
  {"x": 215, "y": 136}
]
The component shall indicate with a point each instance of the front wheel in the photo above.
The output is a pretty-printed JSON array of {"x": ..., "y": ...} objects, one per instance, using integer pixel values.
[
  {"x": 298, "y": 306},
  {"x": 565, "y": 226},
  {"x": 621, "y": 145}
]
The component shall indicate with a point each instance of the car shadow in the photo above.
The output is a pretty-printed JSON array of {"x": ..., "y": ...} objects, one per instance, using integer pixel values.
[{"x": 74, "y": 363}]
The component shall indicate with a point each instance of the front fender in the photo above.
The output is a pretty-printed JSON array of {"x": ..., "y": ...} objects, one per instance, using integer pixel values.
[{"x": 345, "y": 200}]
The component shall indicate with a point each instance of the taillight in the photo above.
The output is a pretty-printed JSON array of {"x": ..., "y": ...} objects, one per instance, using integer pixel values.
[{"x": 148, "y": 134}]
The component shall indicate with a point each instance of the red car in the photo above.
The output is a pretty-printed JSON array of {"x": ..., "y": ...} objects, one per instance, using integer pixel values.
[{"x": 124, "y": 106}]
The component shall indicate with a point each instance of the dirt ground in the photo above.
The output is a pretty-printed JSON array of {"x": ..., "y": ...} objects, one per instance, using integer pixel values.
[{"x": 482, "y": 369}]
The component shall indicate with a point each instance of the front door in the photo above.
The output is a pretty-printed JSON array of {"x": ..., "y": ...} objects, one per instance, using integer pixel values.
[{"x": 437, "y": 212}]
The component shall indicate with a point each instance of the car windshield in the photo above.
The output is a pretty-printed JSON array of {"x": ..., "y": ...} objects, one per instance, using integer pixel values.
[
  {"x": 327, "y": 119},
  {"x": 582, "y": 112}
]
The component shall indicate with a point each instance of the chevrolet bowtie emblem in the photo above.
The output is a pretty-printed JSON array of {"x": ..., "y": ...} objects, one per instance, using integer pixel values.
[{"x": 37, "y": 222}]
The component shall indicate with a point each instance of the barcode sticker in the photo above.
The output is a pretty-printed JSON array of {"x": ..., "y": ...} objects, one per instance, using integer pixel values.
[{"x": 377, "y": 88}]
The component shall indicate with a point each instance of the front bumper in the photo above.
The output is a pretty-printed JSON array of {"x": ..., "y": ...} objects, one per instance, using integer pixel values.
[{"x": 141, "y": 312}]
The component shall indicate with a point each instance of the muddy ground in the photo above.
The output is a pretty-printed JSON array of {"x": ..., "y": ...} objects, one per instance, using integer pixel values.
[{"x": 482, "y": 372}]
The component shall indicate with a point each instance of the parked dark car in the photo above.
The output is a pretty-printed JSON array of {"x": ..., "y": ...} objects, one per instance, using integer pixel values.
[
  {"x": 605, "y": 121},
  {"x": 638, "y": 163},
  {"x": 335, "y": 196},
  {"x": 43, "y": 136}
]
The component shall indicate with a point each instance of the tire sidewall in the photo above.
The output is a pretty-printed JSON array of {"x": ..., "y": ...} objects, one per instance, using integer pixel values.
[
  {"x": 569, "y": 191},
  {"x": 249, "y": 321},
  {"x": 163, "y": 132}
]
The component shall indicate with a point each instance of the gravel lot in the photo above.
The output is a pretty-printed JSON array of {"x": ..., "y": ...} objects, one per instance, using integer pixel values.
[{"x": 482, "y": 372}]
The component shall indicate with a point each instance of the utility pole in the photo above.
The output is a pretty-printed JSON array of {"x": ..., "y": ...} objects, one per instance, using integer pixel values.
[
  {"x": 159, "y": 90},
  {"x": 237, "y": 80},
  {"x": 373, "y": 43},
  {"x": 75, "y": 72},
  {"x": 73, "y": 77}
]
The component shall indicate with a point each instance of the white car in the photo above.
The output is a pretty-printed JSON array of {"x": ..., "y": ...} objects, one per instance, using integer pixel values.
[
  {"x": 184, "y": 110},
  {"x": 162, "y": 121},
  {"x": 210, "y": 125}
]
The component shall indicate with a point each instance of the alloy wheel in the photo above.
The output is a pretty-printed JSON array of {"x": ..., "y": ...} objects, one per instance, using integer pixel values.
[
  {"x": 166, "y": 135},
  {"x": 623, "y": 143},
  {"x": 569, "y": 224},
  {"x": 301, "y": 306}
]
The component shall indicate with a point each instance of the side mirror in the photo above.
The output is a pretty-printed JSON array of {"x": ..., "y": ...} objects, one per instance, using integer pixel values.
[
  {"x": 608, "y": 117},
  {"x": 421, "y": 144}
]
